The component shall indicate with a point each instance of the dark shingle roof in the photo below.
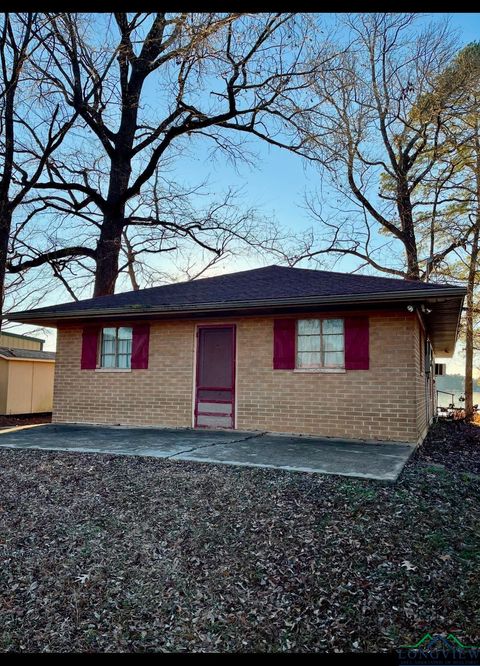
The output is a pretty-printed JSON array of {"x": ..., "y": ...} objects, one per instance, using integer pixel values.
[
  {"x": 33, "y": 354},
  {"x": 261, "y": 284}
]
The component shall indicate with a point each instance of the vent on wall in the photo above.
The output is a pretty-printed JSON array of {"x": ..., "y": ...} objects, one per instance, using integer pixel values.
[{"x": 440, "y": 369}]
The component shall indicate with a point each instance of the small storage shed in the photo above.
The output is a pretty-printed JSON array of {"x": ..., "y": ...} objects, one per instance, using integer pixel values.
[
  {"x": 19, "y": 341},
  {"x": 26, "y": 380}
]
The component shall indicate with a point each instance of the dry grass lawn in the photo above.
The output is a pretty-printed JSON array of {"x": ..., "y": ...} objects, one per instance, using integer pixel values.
[{"x": 99, "y": 552}]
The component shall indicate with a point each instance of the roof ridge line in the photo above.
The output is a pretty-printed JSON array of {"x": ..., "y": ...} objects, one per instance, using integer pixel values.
[{"x": 362, "y": 275}]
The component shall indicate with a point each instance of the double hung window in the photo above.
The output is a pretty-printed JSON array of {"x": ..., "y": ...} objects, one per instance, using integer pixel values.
[
  {"x": 320, "y": 343},
  {"x": 116, "y": 347}
]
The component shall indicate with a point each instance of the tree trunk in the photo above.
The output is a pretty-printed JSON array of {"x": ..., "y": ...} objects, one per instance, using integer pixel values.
[
  {"x": 110, "y": 240},
  {"x": 472, "y": 274},
  {"x": 5, "y": 226},
  {"x": 469, "y": 326},
  {"x": 6, "y": 179},
  {"x": 107, "y": 256},
  {"x": 405, "y": 212},
  {"x": 413, "y": 271}
]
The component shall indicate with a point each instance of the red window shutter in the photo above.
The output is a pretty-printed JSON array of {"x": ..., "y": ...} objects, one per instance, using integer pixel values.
[
  {"x": 140, "y": 344},
  {"x": 89, "y": 348},
  {"x": 356, "y": 343},
  {"x": 284, "y": 344}
]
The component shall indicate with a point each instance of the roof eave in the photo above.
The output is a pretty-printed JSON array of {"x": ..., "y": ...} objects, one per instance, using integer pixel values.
[
  {"x": 28, "y": 359},
  {"x": 200, "y": 308},
  {"x": 437, "y": 341}
]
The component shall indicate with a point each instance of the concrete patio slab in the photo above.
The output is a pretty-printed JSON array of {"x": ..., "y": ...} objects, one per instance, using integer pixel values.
[
  {"x": 383, "y": 461},
  {"x": 156, "y": 442}
]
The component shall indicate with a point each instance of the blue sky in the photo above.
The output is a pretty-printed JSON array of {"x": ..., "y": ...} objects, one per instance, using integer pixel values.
[{"x": 279, "y": 181}]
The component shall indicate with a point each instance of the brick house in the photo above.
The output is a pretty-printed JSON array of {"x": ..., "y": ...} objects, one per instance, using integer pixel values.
[{"x": 276, "y": 348}]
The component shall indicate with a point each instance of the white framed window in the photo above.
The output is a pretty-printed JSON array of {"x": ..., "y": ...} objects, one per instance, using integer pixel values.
[
  {"x": 116, "y": 347},
  {"x": 320, "y": 343}
]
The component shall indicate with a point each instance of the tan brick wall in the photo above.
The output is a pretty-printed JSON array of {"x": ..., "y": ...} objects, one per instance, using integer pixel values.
[
  {"x": 161, "y": 395},
  {"x": 370, "y": 404},
  {"x": 379, "y": 403}
]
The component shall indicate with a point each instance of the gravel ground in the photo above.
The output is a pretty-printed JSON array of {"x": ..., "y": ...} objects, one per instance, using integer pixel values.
[{"x": 107, "y": 553}]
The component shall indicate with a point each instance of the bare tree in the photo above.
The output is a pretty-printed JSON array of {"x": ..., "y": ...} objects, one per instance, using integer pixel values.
[
  {"x": 26, "y": 143},
  {"x": 218, "y": 77},
  {"x": 457, "y": 95},
  {"x": 192, "y": 235},
  {"x": 374, "y": 151}
]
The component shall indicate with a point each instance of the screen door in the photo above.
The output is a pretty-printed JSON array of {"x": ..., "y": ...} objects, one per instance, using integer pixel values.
[{"x": 215, "y": 389}]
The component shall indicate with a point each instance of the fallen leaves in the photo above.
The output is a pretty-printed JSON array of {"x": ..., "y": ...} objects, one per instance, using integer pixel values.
[
  {"x": 452, "y": 445},
  {"x": 135, "y": 554},
  {"x": 408, "y": 565}
]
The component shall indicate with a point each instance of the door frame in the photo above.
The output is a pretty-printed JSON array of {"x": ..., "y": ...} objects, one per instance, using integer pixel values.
[{"x": 198, "y": 327}]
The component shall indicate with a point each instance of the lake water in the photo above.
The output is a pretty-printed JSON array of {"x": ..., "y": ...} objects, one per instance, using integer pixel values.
[{"x": 445, "y": 400}]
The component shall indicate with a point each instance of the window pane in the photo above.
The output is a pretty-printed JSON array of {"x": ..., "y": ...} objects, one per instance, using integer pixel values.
[
  {"x": 108, "y": 341},
  {"x": 308, "y": 359},
  {"x": 332, "y": 325},
  {"x": 308, "y": 326},
  {"x": 124, "y": 346},
  {"x": 123, "y": 361},
  {"x": 125, "y": 333},
  {"x": 308, "y": 343},
  {"x": 333, "y": 359},
  {"x": 108, "y": 346},
  {"x": 109, "y": 333},
  {"x": 108, "y": 361},
  {"x": 333, "y": 343},
  {"x": 116, "y": 347}
]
